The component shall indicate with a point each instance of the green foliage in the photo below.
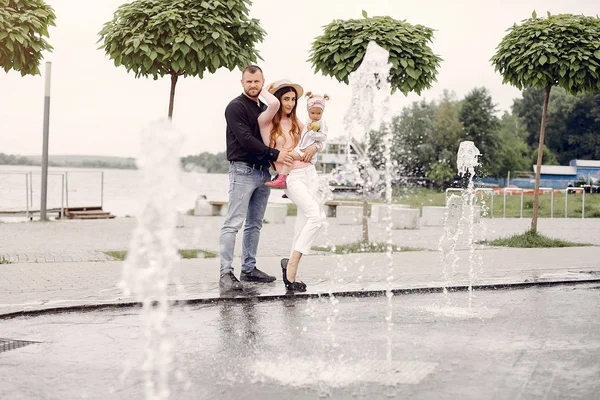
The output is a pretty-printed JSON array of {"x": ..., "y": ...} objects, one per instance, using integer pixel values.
[
  {"x": 548, "y": 156},
  {"x": 4, "y": 260},
  {"x": 411, "y": 147},
  {"x": 572, "y": 124},
  {"x": 362, "y": 247},
  {"x": 117, "y": 255},
  {"x": 23, "y": 27},
  {"x": 121, "y": 255},
  {"x": 426, "y": 137},
  {"x": 181, "y": 37},
  {"x": 529, "y": 109},
  {"x": 196, "y": 253},
  {"x": 440, "y": 171},
  {"x": 560, "y": 50},
  {"x": 447, "y": 134},
  {"x": 578, "y": 136},
  {"x": 9, "y": 159},
  {"x": 341, "y": 48},
  {"x": 531, "y": 239},
  {"x": 212, "y": 163},
  {"x": 480, "y": 125},
  {"x": 513, "y": 154},
  {"x": 71, "y": 161},
  {"x": 419, "y": 197}
]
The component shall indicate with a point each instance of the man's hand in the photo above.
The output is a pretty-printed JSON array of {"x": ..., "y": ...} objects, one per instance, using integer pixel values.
[
  {"x": 286, "y": 158},
  {"x": 309, "y": 153}
]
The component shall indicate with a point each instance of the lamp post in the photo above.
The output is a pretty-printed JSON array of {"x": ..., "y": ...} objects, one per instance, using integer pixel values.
[{"x": 44, "y": 191}]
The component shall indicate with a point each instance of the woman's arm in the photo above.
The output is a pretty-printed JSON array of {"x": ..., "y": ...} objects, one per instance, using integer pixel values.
[{"x": 264, "y": 119}]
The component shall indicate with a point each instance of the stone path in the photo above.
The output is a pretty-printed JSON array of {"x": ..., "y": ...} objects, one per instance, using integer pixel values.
[{"x": 63, "y": 264}]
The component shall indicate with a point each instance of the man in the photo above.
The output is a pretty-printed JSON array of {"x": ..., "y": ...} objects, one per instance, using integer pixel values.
[{"x": 248, "y": 171}]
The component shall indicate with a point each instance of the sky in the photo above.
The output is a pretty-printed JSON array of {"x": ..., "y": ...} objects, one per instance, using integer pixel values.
[{"x": 99, "y": 109}]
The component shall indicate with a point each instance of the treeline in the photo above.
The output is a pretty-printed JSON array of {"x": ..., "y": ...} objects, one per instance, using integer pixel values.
[
  {"x": 207, "y": 162},
  {"x": 572, "y": 126},
  {"x": 426, "y": 135},
  {"x": 9, "y": 159},
  {"x": 94, "y": 164}
]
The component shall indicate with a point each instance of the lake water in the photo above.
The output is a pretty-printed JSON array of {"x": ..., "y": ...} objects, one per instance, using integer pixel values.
[{"x": 120, "y": 194}]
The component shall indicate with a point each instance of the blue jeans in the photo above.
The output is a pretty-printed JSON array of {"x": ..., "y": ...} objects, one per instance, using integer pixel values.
[{"x": 248, "y": 197}]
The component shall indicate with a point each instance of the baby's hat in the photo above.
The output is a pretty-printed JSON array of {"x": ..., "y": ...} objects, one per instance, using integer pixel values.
[{"x": 316, "y": 100}]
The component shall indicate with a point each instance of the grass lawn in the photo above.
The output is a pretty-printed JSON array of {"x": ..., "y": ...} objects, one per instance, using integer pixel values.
[
  {"x": 417, "y": 197},
  {"x": 184, "y": 253},
  {"x": 362, "y": 247},
  {"x": 530, "y": 239}
]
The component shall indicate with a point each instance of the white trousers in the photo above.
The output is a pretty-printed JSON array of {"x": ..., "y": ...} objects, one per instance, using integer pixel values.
[{"x": 303, "y": 190}]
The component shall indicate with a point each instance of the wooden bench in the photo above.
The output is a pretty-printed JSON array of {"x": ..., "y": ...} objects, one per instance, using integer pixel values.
[
  {"x": 332, "y": 205},
  {"x": 218, "y": 207}
]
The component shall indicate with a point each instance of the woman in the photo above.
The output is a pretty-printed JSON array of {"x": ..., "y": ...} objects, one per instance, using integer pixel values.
[{"x": 283, "y": 133}]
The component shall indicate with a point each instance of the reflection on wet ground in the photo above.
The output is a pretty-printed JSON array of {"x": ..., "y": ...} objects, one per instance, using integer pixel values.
[{"x": 530, "y": 343}]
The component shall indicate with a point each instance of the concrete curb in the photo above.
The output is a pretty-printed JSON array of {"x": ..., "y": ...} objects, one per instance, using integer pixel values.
[{"x": 275, "y": 297}]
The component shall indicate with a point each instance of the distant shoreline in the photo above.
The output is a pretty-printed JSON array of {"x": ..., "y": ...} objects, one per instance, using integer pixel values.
[
  {"x": 70, "y": 161},
  {"x": 71, "y": 165},
  {"x": 203, "y": 162}
]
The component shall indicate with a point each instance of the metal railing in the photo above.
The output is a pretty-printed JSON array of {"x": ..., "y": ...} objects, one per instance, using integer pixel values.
[
  {"x": 476, "y": 190},
  {"x": 504, "y": 205},
  {"x": 101, "y": 185},
  {"x": 452, "y": 190},
  {"x": 546, "y": 189},
  {"x": 29, "y": 190},
  {"x": 574, "y": 190},
  {"x": 64, "y": 192}
]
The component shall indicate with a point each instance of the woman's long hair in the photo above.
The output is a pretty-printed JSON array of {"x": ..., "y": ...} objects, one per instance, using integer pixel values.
[{"x": 276, "y": 131}]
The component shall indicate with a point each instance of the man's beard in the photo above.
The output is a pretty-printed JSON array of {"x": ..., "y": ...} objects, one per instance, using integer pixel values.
[{"x": 251, "y": 94}]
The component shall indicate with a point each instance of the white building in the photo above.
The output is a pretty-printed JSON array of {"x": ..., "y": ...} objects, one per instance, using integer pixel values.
[{"x": 336, "y": 153}]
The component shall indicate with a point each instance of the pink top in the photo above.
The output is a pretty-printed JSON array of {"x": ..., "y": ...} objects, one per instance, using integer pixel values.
[{"x": 285, "y": 142}]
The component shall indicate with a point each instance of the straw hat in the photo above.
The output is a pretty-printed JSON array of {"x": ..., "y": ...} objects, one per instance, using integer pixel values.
[{"x": 284, "y": 83}]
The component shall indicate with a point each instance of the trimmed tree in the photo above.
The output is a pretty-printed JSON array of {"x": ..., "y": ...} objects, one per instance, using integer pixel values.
[
  {"x": 560, "y": 50},
  {"x": 340, "y": 50},
  {"x": 181, "y": 38},
  {"x": 23, "y": 29}
]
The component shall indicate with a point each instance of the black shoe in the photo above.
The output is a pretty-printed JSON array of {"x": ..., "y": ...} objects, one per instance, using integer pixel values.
[
  {"x": 294, "y": 286},
  {"x": 256, "y": 275},
  {"x": 229, "y": 282}
]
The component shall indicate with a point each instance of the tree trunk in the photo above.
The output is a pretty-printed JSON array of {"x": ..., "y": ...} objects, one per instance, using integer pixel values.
[
  {"x": 174, "y": 77},
  {"x": 538, "y": 169},
  {"x": 366, "y": 188}
]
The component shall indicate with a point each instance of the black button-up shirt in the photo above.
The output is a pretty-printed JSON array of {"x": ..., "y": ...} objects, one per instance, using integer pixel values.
[{"x": 244, "y": 142}]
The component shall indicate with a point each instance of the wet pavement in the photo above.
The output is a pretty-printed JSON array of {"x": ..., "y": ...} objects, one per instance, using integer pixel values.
[
  {"x": 82, "y": 276},
  {"x": 532, "y": 331},
  {"x": 27, "y": 288},
  {"x": 86, "y": 240},
  {"x": 539, "y": 342}
]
